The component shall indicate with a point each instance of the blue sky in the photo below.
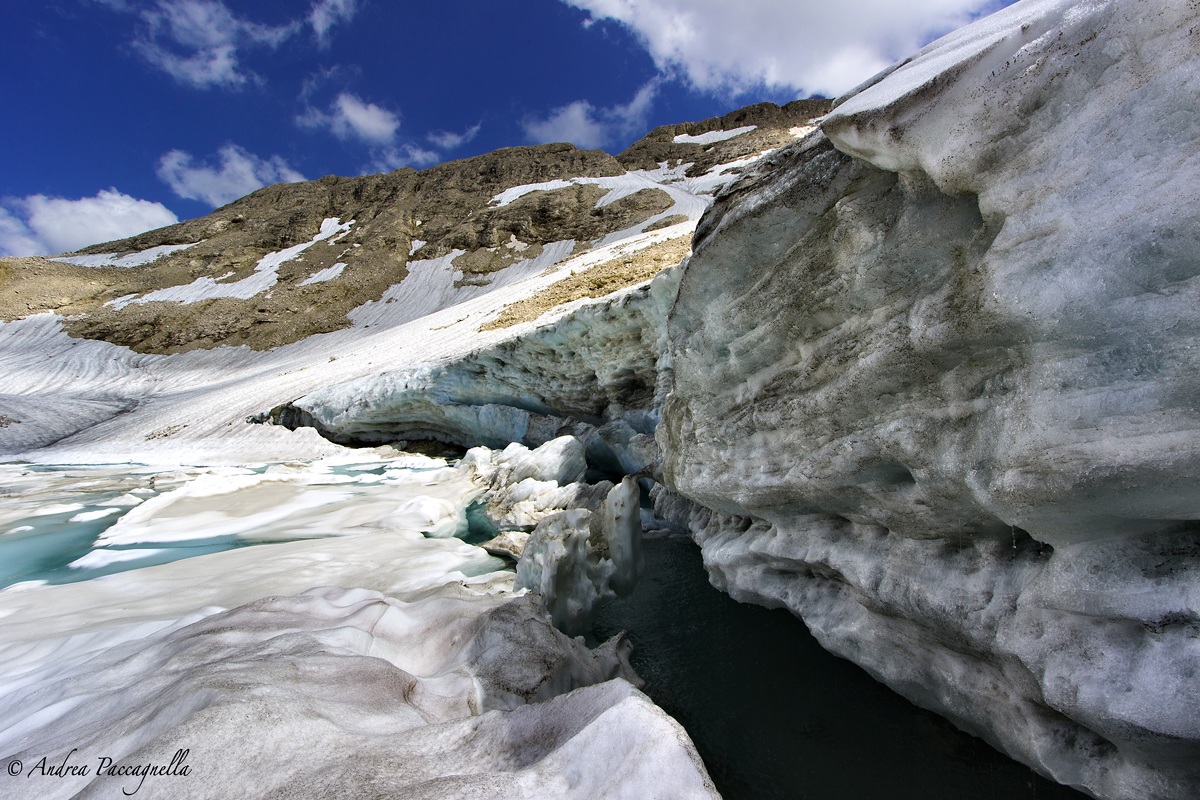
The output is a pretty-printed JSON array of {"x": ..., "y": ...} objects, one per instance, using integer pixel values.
[{"x": 124, "y": 115}]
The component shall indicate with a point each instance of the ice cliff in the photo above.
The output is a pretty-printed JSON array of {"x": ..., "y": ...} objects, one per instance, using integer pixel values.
[
  {"x": 934, "y": 387},
  {"x": 928, "y": 381}
]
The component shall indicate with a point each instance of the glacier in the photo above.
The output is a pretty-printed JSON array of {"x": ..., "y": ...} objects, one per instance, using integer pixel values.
[
  {"x": 161, "y": 546},
  {"x": 933, "y": 387},
  {"x": 927, "y": 381}
]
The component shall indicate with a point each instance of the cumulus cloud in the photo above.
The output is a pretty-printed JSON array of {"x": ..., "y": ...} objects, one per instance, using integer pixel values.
[
  {"x": 16, "y": 239},
  {"x": 41, "y": 225},
  {"x": 351, "y": 118},
  {"x": 447, "y": 140},
  {"x": 327, "y": 13},
  {"x": 585, "y": 125},
  {"x": 237, "y": 173},
  {"x": 812, "y": 48}
]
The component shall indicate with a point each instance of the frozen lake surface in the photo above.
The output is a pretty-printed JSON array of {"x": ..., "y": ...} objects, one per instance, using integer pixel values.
[{"x": 67, "y": 524}]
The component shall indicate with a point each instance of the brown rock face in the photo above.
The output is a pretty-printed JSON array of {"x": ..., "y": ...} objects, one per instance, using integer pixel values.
[
  {"x": 397, "y": 216},
  {"x": 446, "y": 207}
]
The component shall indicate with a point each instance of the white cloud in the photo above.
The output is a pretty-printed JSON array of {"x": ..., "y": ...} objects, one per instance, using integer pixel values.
[
  {"x": 809, "y": 47},
  {"x": 351, "y": 118},
  {"x": 576, "y": 122},
  {"x": 406, "y": 155},
  {"x": 584, "y": 125},
  {"x": 239, "y": 172},
  {"x": 447, "y": 140},
  {"x": 198, "y": 42},
  {"x": 327, "y": 13},
  {"x": 41, "y": 225},
  {"x": 16, "y": 239}
]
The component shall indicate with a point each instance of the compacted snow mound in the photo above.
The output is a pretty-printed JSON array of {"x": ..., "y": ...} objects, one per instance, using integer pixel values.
[
  {"x": 936, "y": 370},
  {"x": 428, "y": 677}
]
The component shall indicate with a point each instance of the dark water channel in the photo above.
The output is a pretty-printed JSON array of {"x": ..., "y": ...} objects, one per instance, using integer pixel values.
[{"x": 776, "y": 716}]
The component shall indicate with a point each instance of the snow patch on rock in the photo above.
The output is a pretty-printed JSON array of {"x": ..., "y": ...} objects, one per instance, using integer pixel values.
[
  {"x": 712, "y": 137},
  {"x": 148, "y": 256},
  {"x": 262, "y": 279},
  {"x": 327, "y": 274}
]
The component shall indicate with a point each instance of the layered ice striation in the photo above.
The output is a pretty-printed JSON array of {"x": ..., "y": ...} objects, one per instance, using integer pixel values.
[
  {"x": 596, "y": 365},
  {"x": 934, "y": 380}
]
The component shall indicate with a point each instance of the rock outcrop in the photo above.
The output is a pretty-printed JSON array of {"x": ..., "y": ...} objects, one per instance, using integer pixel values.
[{"x": 934, "y": 387}]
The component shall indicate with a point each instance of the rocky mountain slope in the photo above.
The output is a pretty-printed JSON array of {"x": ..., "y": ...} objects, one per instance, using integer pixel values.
[{"x": 448, "y": 215}]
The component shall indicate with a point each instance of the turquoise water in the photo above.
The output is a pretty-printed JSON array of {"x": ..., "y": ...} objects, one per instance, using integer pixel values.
[
  {"x": 39, "y": 546},
  {"x": 775, "y": 716},
  {"x": 52, "y": 542}
]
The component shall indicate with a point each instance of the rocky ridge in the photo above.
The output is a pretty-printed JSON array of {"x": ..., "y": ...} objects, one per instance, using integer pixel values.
[{"x": 447, "y": 212}]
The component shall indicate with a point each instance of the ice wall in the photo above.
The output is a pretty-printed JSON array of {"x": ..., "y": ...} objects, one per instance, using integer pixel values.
[
  {"x": 934, "y": 387},
  {"x": 595, "y": 365},
  {"x": 577, "y": 558}
]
